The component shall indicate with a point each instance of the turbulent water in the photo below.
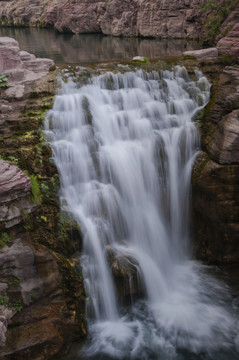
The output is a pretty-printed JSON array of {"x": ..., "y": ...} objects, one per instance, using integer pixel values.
[{"x": 124, "y": 145}]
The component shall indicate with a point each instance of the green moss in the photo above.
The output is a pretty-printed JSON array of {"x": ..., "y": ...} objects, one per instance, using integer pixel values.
[
  {"x": 228, "y": 59},
  {"x": 3, "y": 301},
  {"x": 189, "y": 57},
  {"x": 35, "y": 190},
  {"x": 3, "y": 81},
  {"x": 13, "y": 282},
  {"x": 4, "y": 239},
  {"x": 216, "y": 15}
]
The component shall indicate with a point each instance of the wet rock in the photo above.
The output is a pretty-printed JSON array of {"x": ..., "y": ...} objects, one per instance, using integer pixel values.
[
  {"x": 126, "y": 273},
  {"x": 15, "y": 189},
  {"x": 203, "y": 54},
  {"x": 215, "y": 175}
]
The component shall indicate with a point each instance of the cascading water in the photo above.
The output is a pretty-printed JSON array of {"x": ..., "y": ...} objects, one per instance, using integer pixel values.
[{"x": 124, "y": 145}]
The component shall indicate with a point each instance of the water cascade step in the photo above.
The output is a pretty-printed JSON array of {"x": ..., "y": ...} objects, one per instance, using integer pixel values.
[{"x": 124, "y": 145}]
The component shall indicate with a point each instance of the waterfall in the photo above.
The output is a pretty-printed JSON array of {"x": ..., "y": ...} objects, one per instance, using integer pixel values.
[{"x": 124, "y": 145}]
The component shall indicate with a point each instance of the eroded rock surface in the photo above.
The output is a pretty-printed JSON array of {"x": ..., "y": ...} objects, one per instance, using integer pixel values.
[
  {"x": 42, "y": 297},
  {"x": 38, "y": 316},
  {"x": 155, "y": 18},
  {"x": 228, "y": 43},
  {"x": 20, "y": 67},
  {"x": 15, "y": 189},
  {"x": 216, "y": 173}
]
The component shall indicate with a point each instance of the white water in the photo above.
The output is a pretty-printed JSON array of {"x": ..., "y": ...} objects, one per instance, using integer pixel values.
[{"x": 124, "y": 145}]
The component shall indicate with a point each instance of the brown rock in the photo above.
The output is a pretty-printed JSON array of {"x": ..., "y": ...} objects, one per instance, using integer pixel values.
[
  {"x": 45, "y": 323},
  {"x": 125, "y": 270},
  {"x": 228, "y": 40},
  {"x": 224, "y": 147},
  {"x": 215, "y": 176}
]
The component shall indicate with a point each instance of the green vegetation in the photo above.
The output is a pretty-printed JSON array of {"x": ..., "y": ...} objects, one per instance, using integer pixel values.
[
  {"x": 3, "y": 81},
  {"x": 13, "y": 282},
  {"x": 3, "y": 301},
  {"x": 4, "y": 239},
  {"x": 217, "y": 14},
  {"x": 18, "y": 305},
  {"x": 228, "y": 59},
  {"x": 35, "y": 190}
]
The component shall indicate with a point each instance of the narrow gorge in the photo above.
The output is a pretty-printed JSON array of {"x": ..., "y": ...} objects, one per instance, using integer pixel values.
[{"x": 119, "y": 162}]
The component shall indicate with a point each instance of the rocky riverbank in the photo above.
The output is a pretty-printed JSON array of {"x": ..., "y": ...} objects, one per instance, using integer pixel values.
[{"x": 41, "y": 293}]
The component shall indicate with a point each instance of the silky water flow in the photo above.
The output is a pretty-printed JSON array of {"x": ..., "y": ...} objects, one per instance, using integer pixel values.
[{"x": 124, "y": 145}]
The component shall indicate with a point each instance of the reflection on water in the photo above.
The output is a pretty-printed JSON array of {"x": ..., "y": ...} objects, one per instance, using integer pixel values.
[{"x": 91, "y": 48}]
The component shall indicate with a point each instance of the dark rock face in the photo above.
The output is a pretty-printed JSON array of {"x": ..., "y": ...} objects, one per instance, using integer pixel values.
[
  {"x": 215, "y": 175},
  {"x": 126, "y": 274}
]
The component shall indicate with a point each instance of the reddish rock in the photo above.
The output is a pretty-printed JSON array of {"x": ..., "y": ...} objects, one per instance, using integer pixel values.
[
  {"x": 14, "y": 194},
  {"x": 20, "y": 68}
]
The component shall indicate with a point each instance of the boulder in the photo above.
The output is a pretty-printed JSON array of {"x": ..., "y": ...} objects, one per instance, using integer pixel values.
[
  {"x": 126, "y": 274},
  {"x": 203, "y": 54}
]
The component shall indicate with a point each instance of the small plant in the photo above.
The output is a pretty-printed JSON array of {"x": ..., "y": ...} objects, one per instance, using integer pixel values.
[
  {"x": 3, "y": 301},
  {"x": 4, "y": 239},
  {"x": 18, "y": 305},
  {"x": 3, "y": 81},
  {"x": 13, "y": 160},
  {"x": 228, "y": 59},
  {"x": 32, "y": 295},
  {"x": 13, "y": 282}
]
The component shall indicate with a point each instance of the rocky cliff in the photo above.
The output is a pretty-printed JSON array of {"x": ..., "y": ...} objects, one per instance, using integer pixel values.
[
  {"x": 215, "y": 174},
  {"x": 155, "y": 18},
  {"x": 41, "y": 293}
]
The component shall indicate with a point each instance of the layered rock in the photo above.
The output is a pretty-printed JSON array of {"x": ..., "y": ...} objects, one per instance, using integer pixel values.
[
  {"x": 39, "y": 318},
  {"x": 42, "y": 297},
  {"x": 20, "y": 66},
  {"x": 15, "y": 198},
  {"x": 228, "y": 40},
  {"x": 215, "y": 175},
  {"x": 155, "y": 18}
]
